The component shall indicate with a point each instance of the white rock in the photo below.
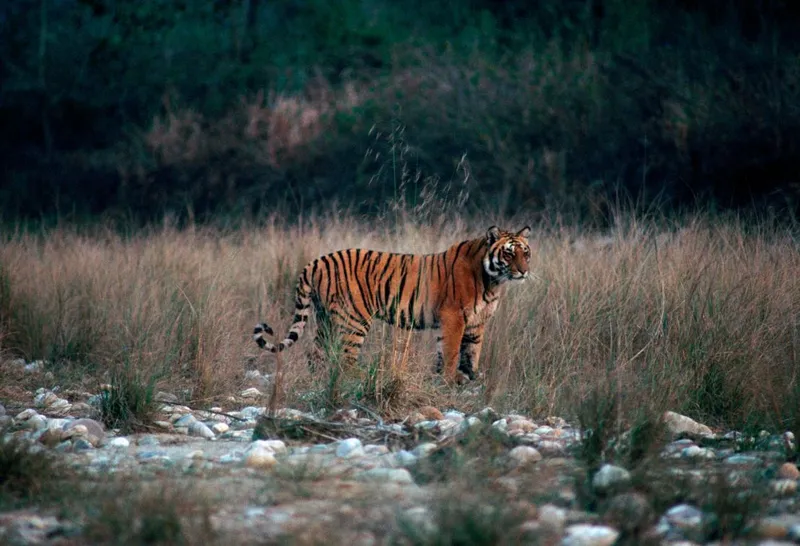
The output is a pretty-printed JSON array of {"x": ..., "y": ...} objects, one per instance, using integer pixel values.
[
  {"x": 273, "y": 446},
  {"x": 44, "y": 398},
  {"x": 522, "y": 455},
  {"x": 544, "y": 431},
  {"x": 455, "y": 416},
  {"x": 260, "y": 458},
  {"x": 404, "y": 458},
  {"x": 695, "y": 452},
  {"x": 589, "y": 535},
  {"x": 680, "y": 424},
  {"x": 550, "y": 447},
  {"x": 200, "y": 430},
  {"x": 220, "y": 428},
  {"x": 425, "y": 449},
  {"x": 376, "y": 449},
  {"x": 252, "y": 392},
  {"x": 24, "y": 415},
  {"x": 501, "y": 425},
  {"x": 610, "y": 476},
  {"x": 251, "y": 412},
  {"x": 119, "y": 442},
  {"x": 552, "y": 517},
  {"x": 384, "y": 475},
  {"x": 349, "y": 448}
]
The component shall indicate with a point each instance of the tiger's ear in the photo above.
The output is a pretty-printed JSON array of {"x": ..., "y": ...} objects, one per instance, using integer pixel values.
[
  {"x": 493, "y": 234},
  {"x": 524, "y": 232}
]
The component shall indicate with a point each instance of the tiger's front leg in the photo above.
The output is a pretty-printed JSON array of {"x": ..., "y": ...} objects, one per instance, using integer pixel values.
[{"x": 452, "y": 330}]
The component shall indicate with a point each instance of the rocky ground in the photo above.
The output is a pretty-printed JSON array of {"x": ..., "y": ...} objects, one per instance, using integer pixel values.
[{"x": 437, "y": 477}]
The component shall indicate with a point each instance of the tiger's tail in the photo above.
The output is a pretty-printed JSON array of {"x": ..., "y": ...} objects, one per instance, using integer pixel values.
[{"x": 302, "y": 306}]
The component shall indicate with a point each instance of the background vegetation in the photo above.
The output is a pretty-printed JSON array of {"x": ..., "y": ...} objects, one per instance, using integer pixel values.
[
  {"x": 239, "y": 108},
  {"x": 701, "y": 318}
]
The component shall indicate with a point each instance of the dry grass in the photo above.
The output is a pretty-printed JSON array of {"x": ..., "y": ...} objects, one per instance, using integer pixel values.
[{"x": 703, "y": 319}]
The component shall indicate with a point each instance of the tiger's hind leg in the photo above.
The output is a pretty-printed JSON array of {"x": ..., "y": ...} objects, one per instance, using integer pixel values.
[
  {"x": 470, "y": 352},
  {"x": 339, "y": 337}
]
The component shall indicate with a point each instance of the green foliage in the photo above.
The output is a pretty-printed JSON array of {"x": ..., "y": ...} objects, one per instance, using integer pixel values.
[
  {"x": 568, "y": 104},
  {"x": 130, "y": 402}
]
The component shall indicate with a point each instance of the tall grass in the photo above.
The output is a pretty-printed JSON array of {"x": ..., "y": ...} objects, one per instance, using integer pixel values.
[{"x": 702, "y": 318}]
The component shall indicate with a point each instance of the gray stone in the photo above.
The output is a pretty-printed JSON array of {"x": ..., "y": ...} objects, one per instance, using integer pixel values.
[
  {"x": 743, "y": 460},
  {"x": 610, "y": 477},
  {"x": 404, "y": 458},
  {"x": 695, "y": 452},
  {"x": 628, "y": 511},
  {"x": 252, "y": 412},
  {"x": 349, "y": 448},
  {"x": 185, "y": 420},
  {"x": 424, "y": 449},
  {"x": 96, "y": 433},
  {"x": 200, "y": 430},
  {"x": 552, "y": 518},
  {"x": 81, "y": 444},
  {"x": 166, "y": 397}
]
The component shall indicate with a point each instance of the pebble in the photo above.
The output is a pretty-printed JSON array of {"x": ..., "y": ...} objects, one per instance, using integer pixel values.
[
  {"x": 200, "y": 430},
  {"x": 552, "y": 517},
  {"x": 610, "y": 477},
  {"x": 522, "y": 455},
  {"x": 425, "y": 449},
  {"x": 695, "y": 452},
  {"x": 252, "y": 392},
  {"x": 250, "y": 412},
  {"x": 260, "y": 458},
  {"x": 743, "y": 460},
  {"x": 273, "y": 446},
  {"x": 386, "y": 475},
  {"x": 183, "y": 420},
  {"x": 680, "y": 424},
  {"x": 120, "y": 442},
  {"x": 404, "y": 458},
  {"x": 784, "y": 488},
  {"x": 349, "y": 448},
  {"x": 220, "y": 428},
  {"x": 788, "y": 471},
  {"x": 589, "y": 535},
  {"x": 455, "y": 416}
]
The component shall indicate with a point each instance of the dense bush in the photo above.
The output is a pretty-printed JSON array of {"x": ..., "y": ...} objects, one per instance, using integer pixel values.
[{"x": 202, "y": 108}]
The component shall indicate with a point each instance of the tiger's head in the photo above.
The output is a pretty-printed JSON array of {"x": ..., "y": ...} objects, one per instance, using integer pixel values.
[{"x": 509, "y": 254}]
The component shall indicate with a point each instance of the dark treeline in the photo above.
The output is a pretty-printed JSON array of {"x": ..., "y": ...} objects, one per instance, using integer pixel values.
[{"x": 236, "y": 108}]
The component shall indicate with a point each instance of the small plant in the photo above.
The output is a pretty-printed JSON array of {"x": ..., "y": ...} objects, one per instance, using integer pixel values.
[
  {"x": 28, "y": 472},
  {"x": 462, "y": 517},
  {"x": 129, "y": 404},
  {"x": 148, "y": 516}
]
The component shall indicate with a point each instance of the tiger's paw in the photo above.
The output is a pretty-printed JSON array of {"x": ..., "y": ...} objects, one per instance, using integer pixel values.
[{"x": 262, "y": 329}]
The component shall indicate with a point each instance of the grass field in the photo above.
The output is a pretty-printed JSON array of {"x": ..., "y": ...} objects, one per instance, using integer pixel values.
[{"x": 701, "y": 317}]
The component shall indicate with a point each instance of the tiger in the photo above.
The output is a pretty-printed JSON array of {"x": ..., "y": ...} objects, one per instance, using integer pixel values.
[{"x": 455, "y": 291}]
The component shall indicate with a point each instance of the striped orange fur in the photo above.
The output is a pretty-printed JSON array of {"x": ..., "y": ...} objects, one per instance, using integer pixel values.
[{"x": 455, "y": 291}]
